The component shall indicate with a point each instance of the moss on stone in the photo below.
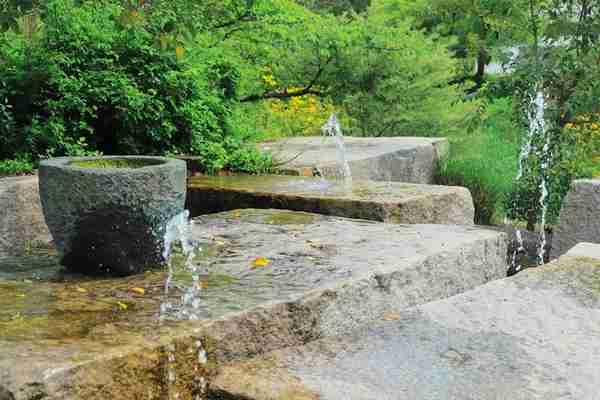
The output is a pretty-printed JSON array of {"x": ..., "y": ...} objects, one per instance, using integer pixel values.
[
  {"x": 102, "y": 163},
  {"x": 290, "y": 218}
]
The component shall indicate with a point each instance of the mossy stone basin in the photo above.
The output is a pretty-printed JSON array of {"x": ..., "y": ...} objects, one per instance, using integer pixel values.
[{"x": 107, "y": 215}]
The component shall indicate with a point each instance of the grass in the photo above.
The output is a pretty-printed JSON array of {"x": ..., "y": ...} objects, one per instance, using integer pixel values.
[{"x": 485, "y": 162}]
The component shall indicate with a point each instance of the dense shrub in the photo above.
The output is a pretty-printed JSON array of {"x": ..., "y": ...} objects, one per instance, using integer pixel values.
[
  {"x": 95, "y": 77},
  {"x": 485, "y": 161}
]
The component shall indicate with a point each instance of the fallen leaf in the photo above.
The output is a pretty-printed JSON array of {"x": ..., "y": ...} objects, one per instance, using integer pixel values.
[
  {"x": 204, "y": 284},
  {"x": 81, "y": 290},
  {"x": 260, "y": 262},
  {"x": 21, "y": 295},
  {"x": 391, "y": 317},
  {"x": 139, "y": 290},
  {"x": 122, "y": 306}
]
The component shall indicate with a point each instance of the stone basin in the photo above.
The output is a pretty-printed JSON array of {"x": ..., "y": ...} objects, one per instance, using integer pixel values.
[
  {"x": 532, "y": 336},
  {"x": 393, "y": 202},
  {"x": 399, "y": 159},
  {"x": 65, "y": 336},
  {"x": 108, "y": 215}
]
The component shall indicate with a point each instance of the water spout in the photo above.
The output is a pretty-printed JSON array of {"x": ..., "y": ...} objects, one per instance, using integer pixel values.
[{"x": 332, "y": 128}]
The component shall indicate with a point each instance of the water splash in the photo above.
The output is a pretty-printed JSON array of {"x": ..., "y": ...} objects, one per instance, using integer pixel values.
[
  {"x": 332, "y": 128},
  {"x": 537, "y": 129},
  {"x": 179, "y": 231}
]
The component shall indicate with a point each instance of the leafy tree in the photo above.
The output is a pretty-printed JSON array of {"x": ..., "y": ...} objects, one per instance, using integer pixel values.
[{"x": 562, "y": 62}]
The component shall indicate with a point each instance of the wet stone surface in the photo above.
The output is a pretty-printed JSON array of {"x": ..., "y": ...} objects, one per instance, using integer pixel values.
[
  {"x": 393, "y": 202},
  {"x": 398, "y": 159},
  {"x": 533, "y": 336},
  {"x": 271, "y": 279}
]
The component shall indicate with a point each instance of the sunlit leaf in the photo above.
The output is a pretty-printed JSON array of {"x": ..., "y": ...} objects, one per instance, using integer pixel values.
[
  {"x": 81, "y": 290},
  {"x": 260, "y": 262},
  {"x": 122, "y": 305},
  {"x": 138, "y": 290}
]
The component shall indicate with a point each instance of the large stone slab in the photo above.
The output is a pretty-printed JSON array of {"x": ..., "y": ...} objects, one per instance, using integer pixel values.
[
  {"x": 533, "y": 336},
  {"x": 579, "y": 219},
  {"x": 22, "y": 223},
  {"x": 393, "y": 202},
  {"x": 401, "y": 159},
  {"x": 67, "y": 337}
]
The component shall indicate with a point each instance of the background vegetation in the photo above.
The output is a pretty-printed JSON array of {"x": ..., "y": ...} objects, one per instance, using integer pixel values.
[{"x": 210, "y": 77}]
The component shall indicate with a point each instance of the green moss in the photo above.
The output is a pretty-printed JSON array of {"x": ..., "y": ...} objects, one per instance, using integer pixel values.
[
  {"x": 290, "y": 218},
  {"x": 101, "y": 163}
]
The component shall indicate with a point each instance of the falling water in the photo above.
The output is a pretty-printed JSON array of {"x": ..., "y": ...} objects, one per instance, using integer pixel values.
[
  {"x": 179, "y": 230},
  {"x": 537, "y": 128},
  {"x": 332, "y": 128}
]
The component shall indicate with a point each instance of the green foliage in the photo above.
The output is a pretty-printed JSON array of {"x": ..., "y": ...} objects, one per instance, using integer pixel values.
[
  {"x": 15, "y": 167},
  {"x": 566, "y": 69},
  {"x": 485, "y": 161},
  {"x": 392, "y": 80},
  {"x": 96, "y": 77}
]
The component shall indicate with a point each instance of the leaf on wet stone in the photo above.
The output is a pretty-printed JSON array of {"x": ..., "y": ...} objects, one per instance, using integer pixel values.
[
  {"x": 260, "y": 262},
  {"x": 139, "y": 290},
  {"x": 391, "y": 317}
]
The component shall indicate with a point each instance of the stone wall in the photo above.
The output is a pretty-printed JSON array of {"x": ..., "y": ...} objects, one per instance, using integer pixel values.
[{"x": 579, "y": 217}]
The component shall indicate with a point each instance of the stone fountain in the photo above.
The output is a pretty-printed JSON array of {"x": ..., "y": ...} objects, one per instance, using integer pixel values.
[{"x": 107, "y": 215}]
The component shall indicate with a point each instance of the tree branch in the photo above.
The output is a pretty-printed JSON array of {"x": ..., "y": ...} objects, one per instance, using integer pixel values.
[{"x": 286, "y": 94}]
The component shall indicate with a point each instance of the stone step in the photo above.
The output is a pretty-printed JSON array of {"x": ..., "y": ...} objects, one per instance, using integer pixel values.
[
  {"x": 67, "y": 337},
  {"x": 394, "y": 202},
  {"x": 533, "y": 336},
  {"x": 400, "y": 159}
]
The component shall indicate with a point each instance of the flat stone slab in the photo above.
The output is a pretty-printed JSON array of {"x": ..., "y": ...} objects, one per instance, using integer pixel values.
[
  {"x": 68, "y": 337},
  {"x": 579, "y": 219},
  {"x": 22, "y": 223},
  {"x": 532, "y": 336},
  {"x": 392, "y": 202},
  {"x": 401, "y": 159}
]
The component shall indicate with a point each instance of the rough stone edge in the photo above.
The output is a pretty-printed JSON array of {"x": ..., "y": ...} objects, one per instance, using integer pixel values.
[
  {"x": 458, "y": 205},
  {"x": 265, "y": 328},
  {"x": 562, "y": 239}
]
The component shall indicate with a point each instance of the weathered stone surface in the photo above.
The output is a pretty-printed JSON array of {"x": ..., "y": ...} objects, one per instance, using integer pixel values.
[
  {"x": 533, "y": 336},
  {"x": 66, "y": 337},
  {"x": 400, "y": 159},
  {"x": 579, "y": 217},
  {"x": 111, "y": 220},
  {"x": 393, "y": 202},
  {"x": 21, "y": 220}
]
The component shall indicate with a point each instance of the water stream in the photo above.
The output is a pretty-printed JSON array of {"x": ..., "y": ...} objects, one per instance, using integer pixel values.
[
  {"x": 538, "y": 132},
  {"x": 179, "y": 233}
]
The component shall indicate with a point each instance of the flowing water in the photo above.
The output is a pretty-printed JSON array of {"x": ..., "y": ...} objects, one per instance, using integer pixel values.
[
  {"x": 537, "y": 132},
  {"x": 333, "y": 129},
  {"x": 179, "y": 232}
]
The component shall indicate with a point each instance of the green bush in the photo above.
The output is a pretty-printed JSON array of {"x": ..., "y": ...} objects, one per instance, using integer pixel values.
[
  {"x": 15, "y": 167},
  {"x": 485, "y": 161},
  {"x": 93, "y": 77}
]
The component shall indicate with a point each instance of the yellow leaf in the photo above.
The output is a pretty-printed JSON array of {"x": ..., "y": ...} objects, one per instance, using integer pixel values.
[
  {"x": 138, "y": 290},
  {"x": 260, "y": 262},
  {"x": 122, "y": 306},
  {"x": 81, "y": 290},
  {"x": 391, "y": 317},
  {"x": 21, "y": 295}
]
